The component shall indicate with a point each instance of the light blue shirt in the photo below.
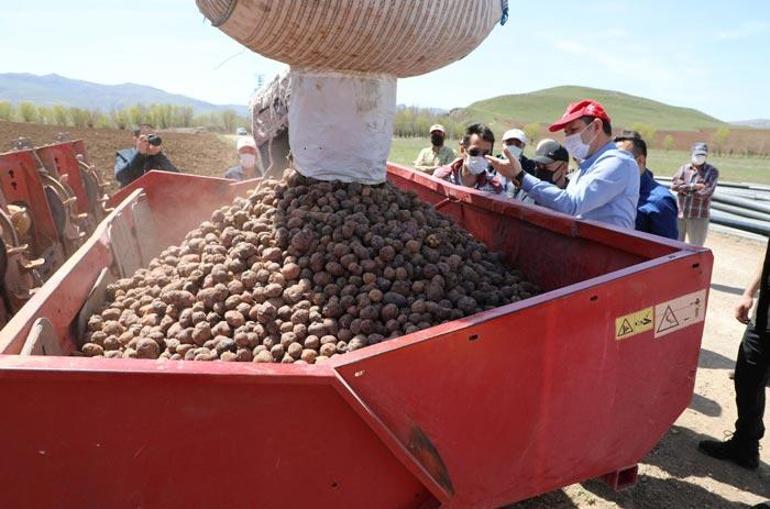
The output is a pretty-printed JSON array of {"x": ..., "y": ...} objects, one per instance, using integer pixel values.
[{"x": 606, "y": 189}]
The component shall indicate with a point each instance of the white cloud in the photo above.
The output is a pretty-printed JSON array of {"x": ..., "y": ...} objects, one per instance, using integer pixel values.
[{"x": 745, "y": 31}]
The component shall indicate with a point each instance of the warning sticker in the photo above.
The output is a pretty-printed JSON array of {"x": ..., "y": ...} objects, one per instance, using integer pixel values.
[
  {"x": 634, "y": 323},
  {"x": 679, "y": 313}
]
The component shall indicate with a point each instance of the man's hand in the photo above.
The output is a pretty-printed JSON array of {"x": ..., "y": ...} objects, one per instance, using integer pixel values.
[
  {"x": 142, "y": 145},
  {"x": 510, "y": 167},
  {"x": 743, "y": 308},
  {"x": 700, "y": 187}
]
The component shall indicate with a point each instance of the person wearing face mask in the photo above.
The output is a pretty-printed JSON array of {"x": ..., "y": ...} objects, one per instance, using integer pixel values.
[
  {"x": 247, "y": 167},
  {"x": 516, "y": 141},
  {"x": 437, "y": 154},
  {"x": 470, "y": 169},
  {"x": 657, "y": 210},
  {"x": 695, "y": 183},
  {"x": 605, "y": 187},
  {"x": 551, "y": 163}
]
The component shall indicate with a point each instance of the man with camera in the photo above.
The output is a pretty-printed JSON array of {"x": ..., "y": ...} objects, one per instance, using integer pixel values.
[{"x": 145, "y": 155}]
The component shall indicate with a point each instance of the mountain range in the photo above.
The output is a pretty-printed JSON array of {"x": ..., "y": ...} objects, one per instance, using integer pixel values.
[
  {"x": 52, "y": 89},
  {"x": 541, "y": 106}
]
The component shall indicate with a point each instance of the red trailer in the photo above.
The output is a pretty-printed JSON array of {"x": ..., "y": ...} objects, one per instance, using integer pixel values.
[{"x": 576, "y": 383}]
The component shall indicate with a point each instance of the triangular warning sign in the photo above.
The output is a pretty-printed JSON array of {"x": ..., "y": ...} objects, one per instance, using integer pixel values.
[
  {"x": 669, "y": 320},
  {"x": 625, "y": 328}
]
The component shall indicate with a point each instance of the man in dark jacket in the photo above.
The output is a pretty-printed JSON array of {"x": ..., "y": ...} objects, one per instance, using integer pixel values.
[
  {"x": 146, "y": 155},
  {"x": 752, "y": 371},
  {"x": 657, "y": 209}
]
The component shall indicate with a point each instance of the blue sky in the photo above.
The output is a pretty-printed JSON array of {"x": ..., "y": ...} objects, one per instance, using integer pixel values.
[{"x": 703, "y": 54}]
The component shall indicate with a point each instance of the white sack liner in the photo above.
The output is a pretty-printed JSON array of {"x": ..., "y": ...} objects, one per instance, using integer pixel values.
[{"x": 341, "y": 125}]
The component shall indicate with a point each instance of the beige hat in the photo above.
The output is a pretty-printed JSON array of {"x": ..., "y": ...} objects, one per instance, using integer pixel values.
[
  {"x": 246, "y": 141},
  {"x": 437, "y": 127},
  {"x": 515, "y": 134}
]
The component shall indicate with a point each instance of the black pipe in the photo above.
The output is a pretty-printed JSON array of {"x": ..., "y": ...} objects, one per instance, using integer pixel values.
[
  {"x": 739, "y": 211},
  {"x": 745, "y": 193},
  {"x": 735, "y": 185},
  {"x": 743, "y": 224},
  {"x": 740, "y": 202}
]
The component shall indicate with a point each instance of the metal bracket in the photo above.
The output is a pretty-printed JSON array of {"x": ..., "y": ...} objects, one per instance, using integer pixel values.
[{"x": 42, "y": 339}]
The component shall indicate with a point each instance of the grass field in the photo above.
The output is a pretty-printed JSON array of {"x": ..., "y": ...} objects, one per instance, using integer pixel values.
[
  {"x": 545, "y": 105},
  {"x": 663, "y": 163}
]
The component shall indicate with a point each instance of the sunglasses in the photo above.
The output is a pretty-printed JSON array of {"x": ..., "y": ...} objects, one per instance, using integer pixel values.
[{"x": 477, "y": 152}]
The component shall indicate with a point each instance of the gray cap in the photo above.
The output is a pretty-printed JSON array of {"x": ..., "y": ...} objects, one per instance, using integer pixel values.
[
  {"x": 549, "y": 150},
  {"x": 700, "y": 149}
]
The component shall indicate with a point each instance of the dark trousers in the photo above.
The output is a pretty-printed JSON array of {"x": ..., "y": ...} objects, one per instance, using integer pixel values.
[{"x": 752, "y": 371}]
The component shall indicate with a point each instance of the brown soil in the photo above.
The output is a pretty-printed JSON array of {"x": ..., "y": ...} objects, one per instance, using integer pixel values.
[{"x": 197, "y": 153}]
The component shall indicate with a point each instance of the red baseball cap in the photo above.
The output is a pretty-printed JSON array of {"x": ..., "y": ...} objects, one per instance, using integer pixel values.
[{"x": 584, "y": 108}]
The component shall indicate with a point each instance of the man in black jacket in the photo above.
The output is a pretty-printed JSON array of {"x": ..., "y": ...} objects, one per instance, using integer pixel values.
[
  {"x": 146, "y": 155},
  {"x": 751, "y": 375}
]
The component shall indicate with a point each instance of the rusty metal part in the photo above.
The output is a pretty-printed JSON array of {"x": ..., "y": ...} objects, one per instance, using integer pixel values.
[
  {"x": 63, "y": 208},
  {"x": 22, "y": 184},
  {"x": 96, "y": 189},
  {"x": 20, "y": 276}
]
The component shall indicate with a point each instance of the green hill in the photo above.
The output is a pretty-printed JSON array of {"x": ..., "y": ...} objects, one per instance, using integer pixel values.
[{"x": 545, "y": 106}]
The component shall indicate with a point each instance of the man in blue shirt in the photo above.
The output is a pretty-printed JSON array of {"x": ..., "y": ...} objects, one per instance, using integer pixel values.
[
  {"x": 606, "y": 186},
  {"x": 657, "y": 210}
]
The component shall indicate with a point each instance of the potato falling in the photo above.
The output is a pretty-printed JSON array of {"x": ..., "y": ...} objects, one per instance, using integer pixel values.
[{"x": 301, "y": 271}]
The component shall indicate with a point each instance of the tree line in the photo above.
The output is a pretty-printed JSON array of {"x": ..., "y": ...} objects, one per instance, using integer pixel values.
[
  {"x": 162, "y": 116},
  {"x": 414, "y": 122}
]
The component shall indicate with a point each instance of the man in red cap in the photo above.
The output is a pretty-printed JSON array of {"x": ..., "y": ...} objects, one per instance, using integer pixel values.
[{"x": 606, "y": 187}]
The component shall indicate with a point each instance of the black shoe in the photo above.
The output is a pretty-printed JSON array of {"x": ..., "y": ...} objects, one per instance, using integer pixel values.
[{"x": 741, "y": 453}]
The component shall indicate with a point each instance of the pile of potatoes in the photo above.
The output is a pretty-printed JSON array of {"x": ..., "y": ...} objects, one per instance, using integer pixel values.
[{"x": 300, "y": 271}]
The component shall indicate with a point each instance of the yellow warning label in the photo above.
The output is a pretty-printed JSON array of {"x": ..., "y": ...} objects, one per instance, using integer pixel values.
[
  {"x": 676, "y": 314},
  {"x": 634, "y": 323}
]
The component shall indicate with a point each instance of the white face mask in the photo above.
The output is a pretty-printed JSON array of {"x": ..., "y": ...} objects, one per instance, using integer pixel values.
[
  {"x": 698, "y": 160},
  {"x": 476, "y": 164},
  {"x": 248, "y": 160},
  {"x": 514, "y": 150},
  {"x": 576, "y": 146}
]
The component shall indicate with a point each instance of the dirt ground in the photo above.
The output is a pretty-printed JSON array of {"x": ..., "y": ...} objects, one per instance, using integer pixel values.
[
  {"x": 200, "y": 154},
  {"x": 675, "y": 474}
]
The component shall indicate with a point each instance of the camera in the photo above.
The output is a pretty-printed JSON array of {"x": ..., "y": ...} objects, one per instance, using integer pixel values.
[{"x": 154, "y": 140}]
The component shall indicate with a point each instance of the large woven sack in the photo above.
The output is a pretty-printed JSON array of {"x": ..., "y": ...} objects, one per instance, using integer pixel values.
[{"x": 398, "y": 37}]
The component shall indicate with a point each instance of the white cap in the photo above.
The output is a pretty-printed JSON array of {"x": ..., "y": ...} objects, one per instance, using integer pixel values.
[
  {"x": 437, "y": 127},
  {"x": 246, "y": 141},
  {"x": 516, "y": 134}
]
